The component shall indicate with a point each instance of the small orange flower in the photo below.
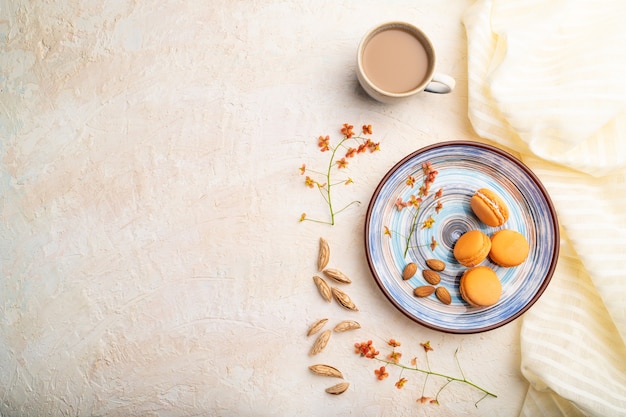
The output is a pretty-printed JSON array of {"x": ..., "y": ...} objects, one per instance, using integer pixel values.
[
  {"x": 342, "y": 163},
  {"x": 393, "y": 343},
  {"x": 324, "y": 143},
  {"x": 438, "y": 207},
  {"x": 387, "y": 231},
  {"x": 414, "y": 362},
  {"x": 428, "y": 223},
  {"x": 400, "y": 204},
  {"x": 414, "y": 201},
  {"x": 381, "y": 373},
  {"x": 439, "y": 193},
  {"x": 302, "y": 217},
  {"x": 435, "y": 402},
  {"x": 426, "y": 346},
  {"x": 433, "y": 243},
  {"x": 410, "y": 181},
  {"x": 366, "y": 349},
  {"x": 401, "y": 382},
  {"x": 394, "y": 357},
  {"x": 424, "y": 400},
  {"x": 347, "y": 130}
]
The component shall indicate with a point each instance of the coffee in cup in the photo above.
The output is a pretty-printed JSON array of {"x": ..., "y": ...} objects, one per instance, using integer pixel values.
[{"x": 396, "y": 60}]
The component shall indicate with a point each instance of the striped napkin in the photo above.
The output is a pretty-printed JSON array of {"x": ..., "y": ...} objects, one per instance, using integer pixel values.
[{"x": 547, "y": 79}]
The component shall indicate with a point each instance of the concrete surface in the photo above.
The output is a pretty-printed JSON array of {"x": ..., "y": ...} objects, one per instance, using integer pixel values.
[{"x": 152, "y": 262}]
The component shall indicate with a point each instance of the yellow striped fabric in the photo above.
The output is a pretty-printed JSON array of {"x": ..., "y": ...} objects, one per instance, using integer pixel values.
[{"x": 547, "y": 79}]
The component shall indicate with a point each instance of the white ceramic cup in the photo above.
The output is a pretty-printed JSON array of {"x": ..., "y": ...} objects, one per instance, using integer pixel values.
[{"x": 432, "y": 82}]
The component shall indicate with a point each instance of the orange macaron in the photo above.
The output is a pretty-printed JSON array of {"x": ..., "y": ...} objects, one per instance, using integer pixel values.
[
  {"x": 472, "y": 248},
  {"x": 489, "y": 207},
  {"x": 508, "y": 248},
  {"x": 480, "y": 286}
]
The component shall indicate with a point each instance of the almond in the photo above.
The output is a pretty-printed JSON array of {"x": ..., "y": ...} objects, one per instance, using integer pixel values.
[
  {"x": 424, "y": 291},
  {"x": 436, "y": 264},
  {"x": 443, "y": 295},
  {"x": 431, "y": 277},
  {"x": 409, "y": 271}
]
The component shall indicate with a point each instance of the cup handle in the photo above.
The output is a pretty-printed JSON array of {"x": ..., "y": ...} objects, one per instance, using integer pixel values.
[{"x": 441, "y": 84}]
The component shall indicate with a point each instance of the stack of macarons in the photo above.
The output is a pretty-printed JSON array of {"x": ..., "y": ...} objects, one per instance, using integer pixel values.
[{"x": 479, "y": 285}]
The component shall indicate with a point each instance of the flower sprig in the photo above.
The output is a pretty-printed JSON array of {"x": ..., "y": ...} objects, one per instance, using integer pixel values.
[
  {"x": 367, "y": 350},
  {"x": 361, "y": 144},
  {"x": 414, "y": 203}
]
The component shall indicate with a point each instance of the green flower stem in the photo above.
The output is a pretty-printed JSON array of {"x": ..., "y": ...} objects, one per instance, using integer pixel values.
[
  {"x": 326, "y": 188},
  {"x": 317, "y": 221},
  {"x": 448, "y": 377},
  {"x": 346, "y": 206},
  {"x": 413, "y": 227},
  {"x": 329, "y": 185},
  {"x": 324, "y": 196}
]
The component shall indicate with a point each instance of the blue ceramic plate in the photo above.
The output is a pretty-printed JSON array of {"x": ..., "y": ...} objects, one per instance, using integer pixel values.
[{"x": 463, "y": 167}]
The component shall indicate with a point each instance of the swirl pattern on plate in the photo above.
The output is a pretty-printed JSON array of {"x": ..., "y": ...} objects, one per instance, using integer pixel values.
[{"x": 463, "y": 168}]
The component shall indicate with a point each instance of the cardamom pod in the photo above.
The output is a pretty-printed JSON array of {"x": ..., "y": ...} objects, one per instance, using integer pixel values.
[
  {"x": 346, "y": 325},
  {"x": 320, "y": 343},
  {"x": 337, "y": 275},
  {"x": 343, "y": 299},
  {"x": 323, "y": 288},
  {"x": 340, "y": 388},
  {"x": 316, "y": 327},
  {"x": 326, "y": 370},
  {"x": 324, "y": 254}
]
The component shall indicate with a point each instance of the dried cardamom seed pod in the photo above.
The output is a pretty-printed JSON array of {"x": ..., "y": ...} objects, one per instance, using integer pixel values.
[
  {"x": 323, "y": 288},
  {"x": 343, "y": 299},
  {"x": 324, "y": 254},
  {"x": 320, "y": 342},
  {"x": 340, "y": 388},
  {"x": 346, "y": 325},
  {"x": 316, "y": 327},
  {"x": 326, "y": 370},
  {"x": 337, "y": 275}
]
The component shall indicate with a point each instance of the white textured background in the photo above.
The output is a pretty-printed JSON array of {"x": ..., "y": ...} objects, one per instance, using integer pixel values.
[{"x": 152, "y": 263}]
